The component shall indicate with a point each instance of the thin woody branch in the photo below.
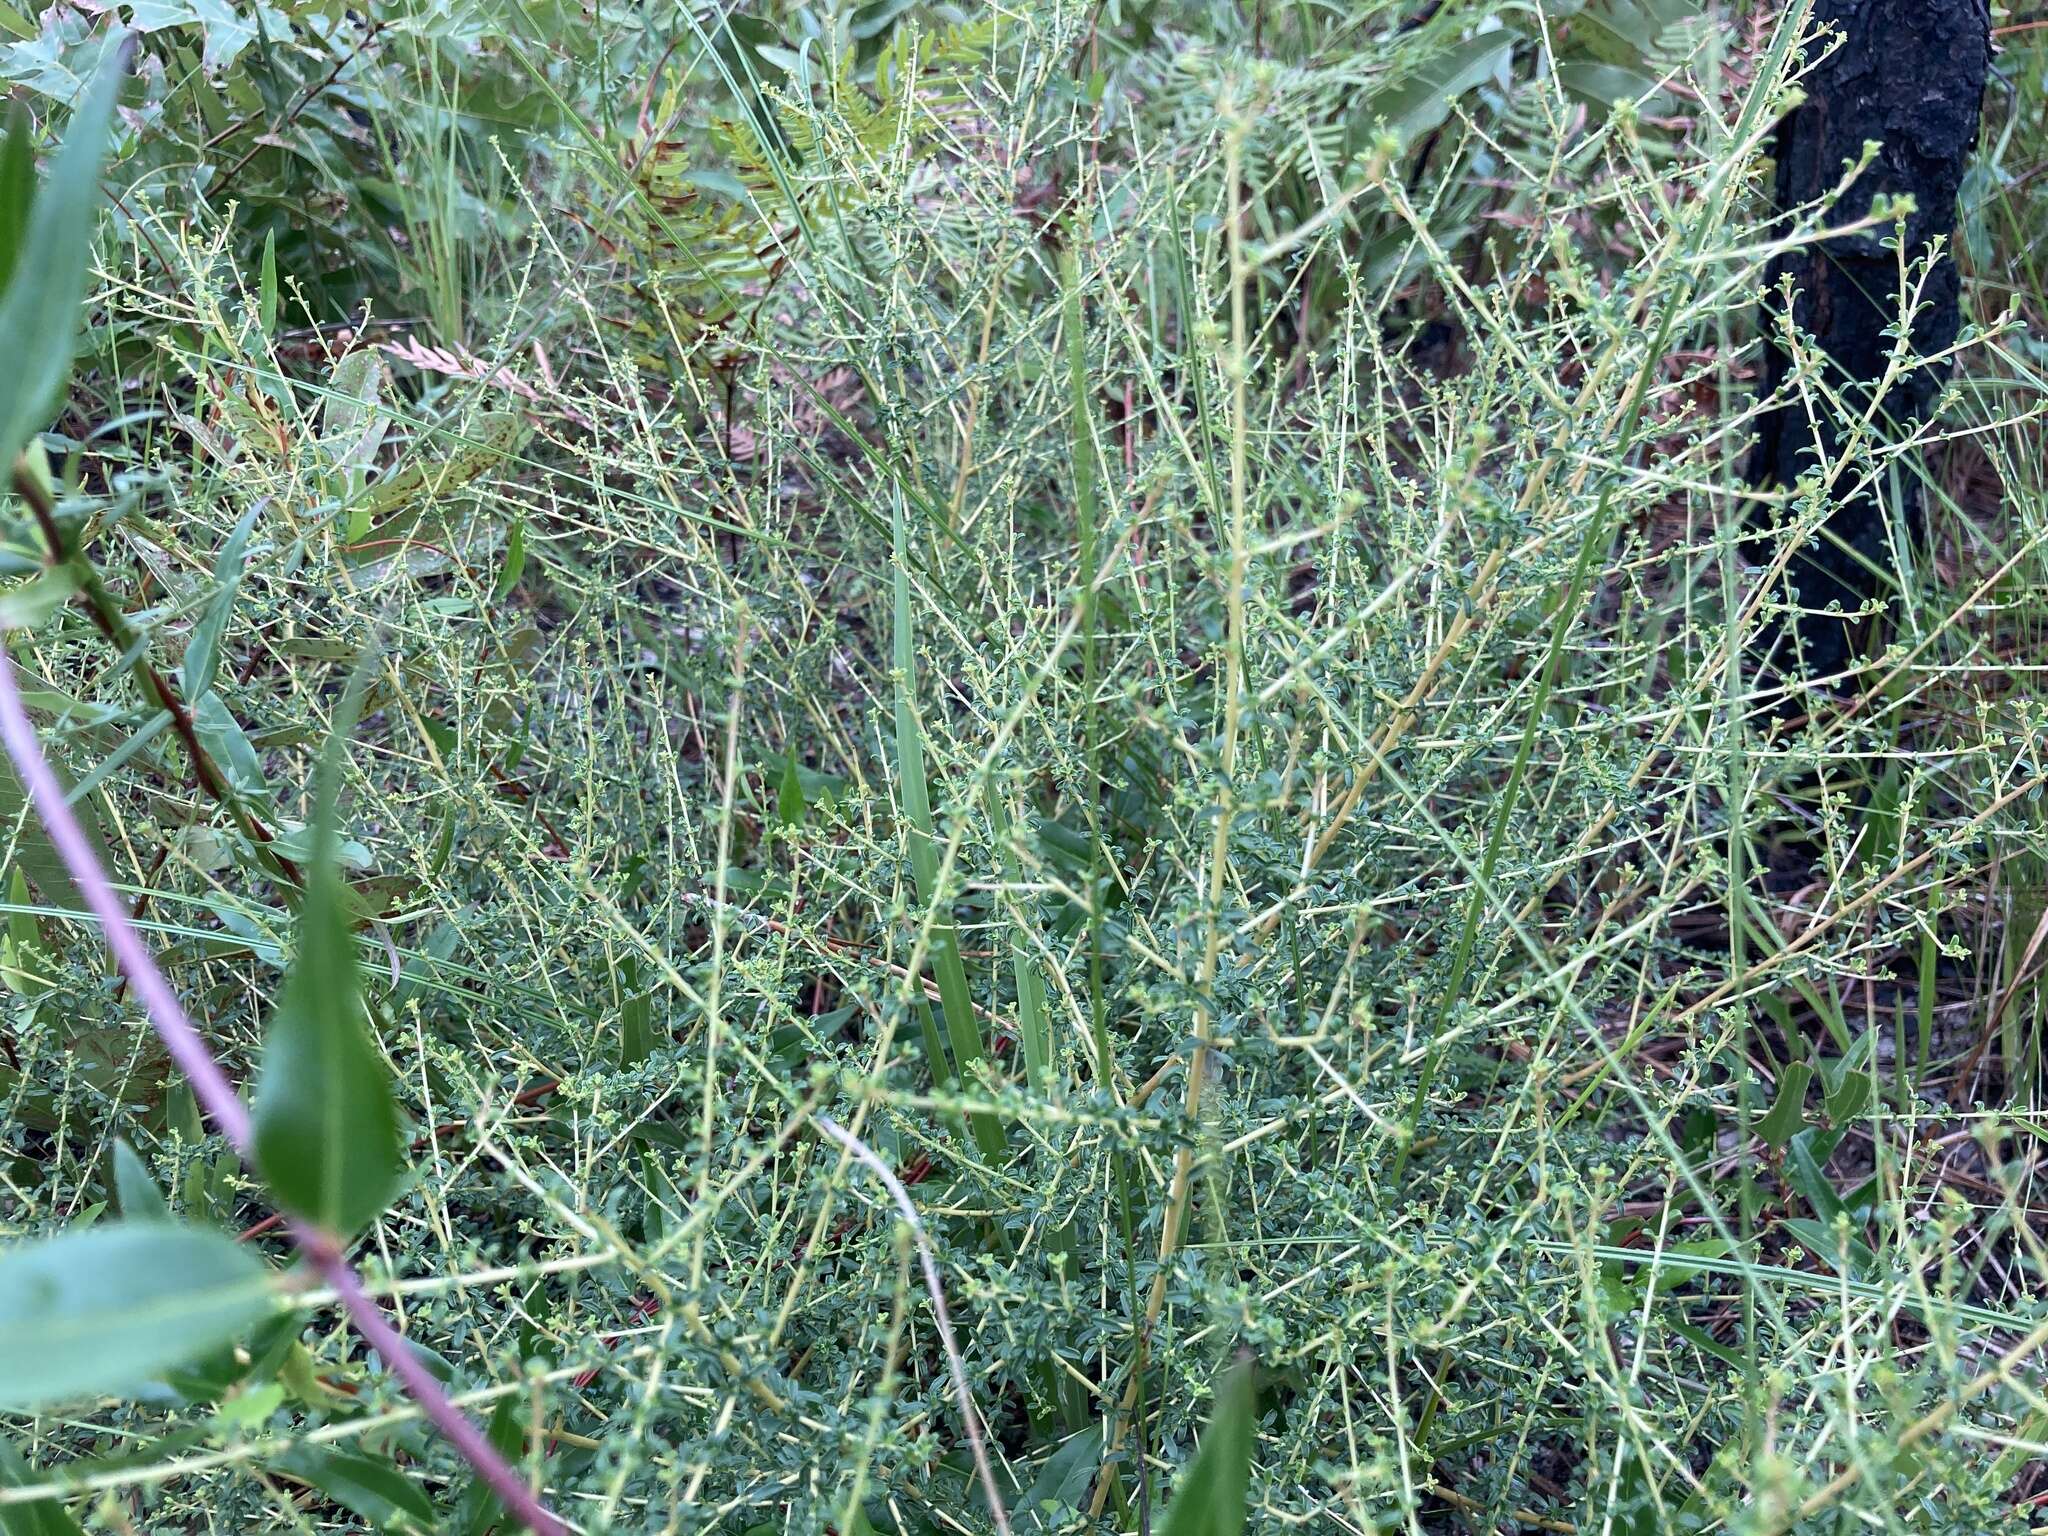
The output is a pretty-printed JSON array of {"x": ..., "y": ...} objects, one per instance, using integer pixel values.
[{"x": 157, "y": 690}]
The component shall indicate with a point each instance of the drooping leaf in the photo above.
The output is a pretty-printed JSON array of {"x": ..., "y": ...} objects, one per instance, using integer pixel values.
[
  {"x": 1846, "y": 1081},
  {"x": 496, "y": 436},
  {"x": 216, "y": 1375},
  {"x": 249, "y": 1409},
  {"x": 742, "y": 45},
  {"x": 1210, "y": 1500},
  {"x": 24, "y": 964},
  {"x": 17, "y": 188},
  {"x": 956, "y": 997},
  {"x": 1806, "y": 1156},
  {"x": 300, "y": 1374},
  {"x": 877, "y": 17},
  {"x": 1602, "y": 85},
  {"x": 33, "y": 854},
  {"x": 351, "y": 424},
  {"x": 1836, "y": 1246},
  {"x": 368, "y": 1485},
  {"x": 789, "y": 793},
  {"x": 181, "y": 1111},
  {"x": 1626, "y": 32},
  {"x": 202, "y": 649},
  {"x": 1423, "y": 100},
  {"x": 1788, "y": 1110},
  {"x": 480, "y": 1508},
  {"x": 39, "y": 311},
  {"x": 33, "y": 601},
  {"x": 636, "y": 1029},
  {"x": 301, "y": 843},
  {"x": 1627, "y": 1506},
  {"x": 100, "y": 1311},
  {"x": 229, "y": 746},
  {"x": 266, "y": 295},
  {"x": 515, "y": 562},
  {"x": 1032, "y": 1017},
  {"x": 1062, "y": 1483},
  {"x": 40, "y": 1517},
  {"x": 326, "y": 1123},
  {"x": 140, "y": 1199}
]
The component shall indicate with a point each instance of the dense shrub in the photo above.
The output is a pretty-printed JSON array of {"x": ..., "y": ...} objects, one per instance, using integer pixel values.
[{"x": 1148, "y": 607}]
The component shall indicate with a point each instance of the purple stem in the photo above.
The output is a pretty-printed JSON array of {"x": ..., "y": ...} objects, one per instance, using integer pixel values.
[
  {"x": 417, "y": 1380},
  {"x": 217, "y": 1096}
]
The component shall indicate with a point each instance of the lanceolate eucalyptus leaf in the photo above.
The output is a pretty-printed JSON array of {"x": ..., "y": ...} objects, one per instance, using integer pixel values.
[
  {"x": 325, "y": 1119},
  {"x": 1210, "y": 1500},
  {"x": 39, "y": 311},
  {"x": 89, "y": 1313}
]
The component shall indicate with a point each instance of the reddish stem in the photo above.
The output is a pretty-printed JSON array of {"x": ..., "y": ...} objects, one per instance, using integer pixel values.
[{"x": 217, "y": 1096}]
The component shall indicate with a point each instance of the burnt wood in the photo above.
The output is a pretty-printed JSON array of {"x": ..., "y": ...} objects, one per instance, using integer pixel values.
[{"x": 1910, "y": 76}]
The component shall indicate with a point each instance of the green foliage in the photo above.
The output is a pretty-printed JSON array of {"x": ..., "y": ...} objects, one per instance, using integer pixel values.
[
  {"x": 17, "y": 189},
  {"x": 326, "y": 1125},
  {"x": 1210, "y": 1500},
  {"x": 102, "y": 1310},
  {"x": 140, "y": 1199},
  {"x": 1788, "y": 1109},
  {"x": 480, "y": 1508},
  {"x": 367, "y": 1485},
  {"x": 920, "y": 560},
  {"x": 35, "y": 1517},
  {"x": 39, "y": 305}
]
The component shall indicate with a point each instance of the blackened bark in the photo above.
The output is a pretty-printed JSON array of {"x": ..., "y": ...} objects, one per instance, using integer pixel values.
[{"x": 1910, "y": 76}]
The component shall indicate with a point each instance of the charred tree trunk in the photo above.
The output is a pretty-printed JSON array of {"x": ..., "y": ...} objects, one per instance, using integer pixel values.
[{"x": 1909, "y": 75}]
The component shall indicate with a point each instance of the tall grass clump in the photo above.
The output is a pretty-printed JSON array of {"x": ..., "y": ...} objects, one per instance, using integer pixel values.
[{"x": 1135, "y": 625}]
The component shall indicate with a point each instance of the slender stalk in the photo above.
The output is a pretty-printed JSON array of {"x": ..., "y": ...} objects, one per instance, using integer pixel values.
[
  {"x": 928, "y": 878},
  {"x": 157, "y": 690},
  {"x": 1595, "y": 544},
  {"x": 218, "y": 1098},
  {"x": 1088, "y": 519},
  {"x": 970, "y": 1420},
  {"x": 1181, "y": 1184}
]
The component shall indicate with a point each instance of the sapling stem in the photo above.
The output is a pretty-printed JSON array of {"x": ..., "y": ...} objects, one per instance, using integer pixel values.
[
  {"x": 157, "y": 690},
  {"x": 218, "y": 1098}
]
